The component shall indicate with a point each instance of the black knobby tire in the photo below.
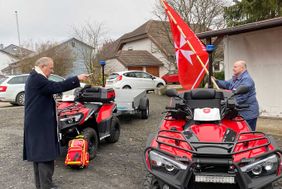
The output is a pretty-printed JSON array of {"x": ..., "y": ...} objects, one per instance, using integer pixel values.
[
  {"x": 20, "y": 99},
  {"x": 114, "y": 131},
  {"x": 151, "y": 182},
  {"x": 92, "y": 138},
  {"x": 145, "y": 112}
]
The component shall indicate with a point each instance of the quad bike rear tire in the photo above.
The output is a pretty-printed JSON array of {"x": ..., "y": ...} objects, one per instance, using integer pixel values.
[
  {"x": 114, "y": 131},
  {"x": 151, "y": 182},
  {"x": 92, "y": 138}
]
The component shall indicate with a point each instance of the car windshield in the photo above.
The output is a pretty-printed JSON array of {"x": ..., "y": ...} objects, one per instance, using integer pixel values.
[
  {"x": 113, "y": 76},
  {"x": 3, "y": 79}
]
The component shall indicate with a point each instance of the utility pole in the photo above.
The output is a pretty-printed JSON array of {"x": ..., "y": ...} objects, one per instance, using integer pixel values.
[{"x": 19, "y": 38}]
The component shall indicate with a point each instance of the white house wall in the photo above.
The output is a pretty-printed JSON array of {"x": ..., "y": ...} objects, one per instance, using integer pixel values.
[
  {"x": 262, "y": 52},
  {"x": 113, "y": 65},
  {"x": 5, "y": 60}
]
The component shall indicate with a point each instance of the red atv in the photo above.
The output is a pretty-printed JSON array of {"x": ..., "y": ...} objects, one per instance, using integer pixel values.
[
  {"x": 204, "y": 143},
  {"x": 90, "y": 115}
]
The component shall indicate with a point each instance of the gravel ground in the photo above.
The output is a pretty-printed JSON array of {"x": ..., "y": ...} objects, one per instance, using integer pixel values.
[{"x": 118, "y": 165}]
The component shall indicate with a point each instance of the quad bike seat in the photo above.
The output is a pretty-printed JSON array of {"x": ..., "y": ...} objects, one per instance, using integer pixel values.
[{"x": 202, "y": 98}]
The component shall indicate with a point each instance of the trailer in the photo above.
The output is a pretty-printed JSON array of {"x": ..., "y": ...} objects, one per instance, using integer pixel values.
[
  {"x": 132, "y": 101},
  {"x": 128, "y": 101}
]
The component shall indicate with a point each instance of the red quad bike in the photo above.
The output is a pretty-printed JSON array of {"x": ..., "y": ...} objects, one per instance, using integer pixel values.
[
  {"x": 204, "y": 143},
  {"x": 90, "y": 115}
]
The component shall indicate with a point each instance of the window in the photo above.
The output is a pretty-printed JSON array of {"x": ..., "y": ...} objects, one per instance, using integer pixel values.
[
  {"x": 18, "y": 80},
  {"x": 130, "y": 74},
  {"x": 113, "y": 76},
  {"x": 73, "y": 44},
  {"x": 56, "y": 78},
  {"x": 139, "y": 74},
  {"x": 216, "y": 66},
  {"x": 3, "y": 79},
  {"x": 130, "y": 48},
  {"x": 148, "y": 76}
]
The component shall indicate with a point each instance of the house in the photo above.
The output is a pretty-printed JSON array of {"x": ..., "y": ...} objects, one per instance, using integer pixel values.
[
  {"x": 76, "y": 64},
  {"x": 148, "y": 48},
  {"x": 17, "y": 51},
  {"x": 259, "y": 44},
  {"x": 6, "y": 59},
  {"x": 154, "y": 38}
]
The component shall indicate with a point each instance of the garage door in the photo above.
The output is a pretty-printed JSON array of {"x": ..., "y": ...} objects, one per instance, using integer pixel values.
[
  {"x": 135, "y": 68},
  {"x": 154, "y": 70}
]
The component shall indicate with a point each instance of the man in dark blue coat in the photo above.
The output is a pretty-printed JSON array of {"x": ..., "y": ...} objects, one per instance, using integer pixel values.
[
  {"x": 242, "y": 77},
  {"x": 41, "y": 144}
]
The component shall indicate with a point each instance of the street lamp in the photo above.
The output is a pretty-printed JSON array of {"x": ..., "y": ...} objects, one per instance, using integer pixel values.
[
  {"x": 103, "y": 63},
  {"x": 210, "y": 48}
]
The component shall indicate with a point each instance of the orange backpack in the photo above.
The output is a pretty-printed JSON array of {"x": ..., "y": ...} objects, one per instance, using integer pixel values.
[{"x": 77, "y": 156}]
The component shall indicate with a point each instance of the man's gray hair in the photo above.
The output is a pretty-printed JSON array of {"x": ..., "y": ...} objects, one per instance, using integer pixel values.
[
  {"x": 243, "y": 63},
  {"x": 43, "y": 61}
]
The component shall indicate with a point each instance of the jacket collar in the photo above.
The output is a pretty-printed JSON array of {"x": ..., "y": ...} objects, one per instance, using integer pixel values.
[
  {"x": 39, "y": 71},
  {"x": 239, "y": 77}
]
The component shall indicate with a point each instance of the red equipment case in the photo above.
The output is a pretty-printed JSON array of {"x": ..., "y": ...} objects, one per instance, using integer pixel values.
[{"x": 77, "y": 156}]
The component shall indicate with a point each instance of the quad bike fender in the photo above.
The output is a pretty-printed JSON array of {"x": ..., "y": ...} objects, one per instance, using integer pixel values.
[{"x": 105, "y": 113}]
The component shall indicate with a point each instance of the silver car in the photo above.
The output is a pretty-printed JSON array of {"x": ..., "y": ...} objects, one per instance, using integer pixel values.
[{"x": 12, "y": 88}]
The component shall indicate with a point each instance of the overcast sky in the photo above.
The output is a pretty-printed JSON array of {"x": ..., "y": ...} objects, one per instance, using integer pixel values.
[{"x": 52, "y": 20}]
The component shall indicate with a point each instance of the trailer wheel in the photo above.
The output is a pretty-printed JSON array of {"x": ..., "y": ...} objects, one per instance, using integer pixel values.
[
  {"x": 145, "y": 111},
  {"x": 115, "y": 131},
  {"x": 91, "y": 136},
  {"x": 151, "y": 182}
]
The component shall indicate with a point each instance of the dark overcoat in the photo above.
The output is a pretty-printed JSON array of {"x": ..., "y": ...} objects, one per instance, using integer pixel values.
[{"x": 40, "y": 121}]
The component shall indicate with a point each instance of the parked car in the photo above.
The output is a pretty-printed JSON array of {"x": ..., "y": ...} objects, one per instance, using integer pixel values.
[
  {"x": 171, "y": 77},
  {"x": 12, "y": 88},
  {"x": 134, "y": 80}
]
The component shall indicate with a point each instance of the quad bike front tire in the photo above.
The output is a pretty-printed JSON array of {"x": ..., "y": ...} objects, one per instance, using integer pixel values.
[
  {"x": 151, "y": 182},
  {"x": 92, "y": 139},
  {"x": 114, "y": 131}
]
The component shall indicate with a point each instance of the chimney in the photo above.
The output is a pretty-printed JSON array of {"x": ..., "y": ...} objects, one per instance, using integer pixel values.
[{"x": 1, "y": 46}]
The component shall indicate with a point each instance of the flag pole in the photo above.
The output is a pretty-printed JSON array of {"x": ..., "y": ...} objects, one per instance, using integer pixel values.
[{"x": 192, "y": 48}]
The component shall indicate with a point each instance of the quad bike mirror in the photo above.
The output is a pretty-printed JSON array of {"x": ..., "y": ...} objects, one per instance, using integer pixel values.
[
  {"x": 171, "y": 93},
  {"x": 241, "y": 90}
]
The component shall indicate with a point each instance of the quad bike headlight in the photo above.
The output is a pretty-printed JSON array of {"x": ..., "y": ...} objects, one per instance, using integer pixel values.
[
  {"x": 71, "y": 119},
  {"x": 262, "y": 167},
  {"x": 165, "y": 163}
]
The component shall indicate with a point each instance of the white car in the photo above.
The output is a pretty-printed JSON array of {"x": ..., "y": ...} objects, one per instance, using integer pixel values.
[
  {"x": 134, "y": 80},
  {"x": 12, "y": 88}
]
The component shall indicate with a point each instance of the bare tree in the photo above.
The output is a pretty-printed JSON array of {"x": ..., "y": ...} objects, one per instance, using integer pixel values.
[
  {"x": 61, "y": 54},
  {"x": 200, "y": 15},
  {"x": 91, "y": 34}
]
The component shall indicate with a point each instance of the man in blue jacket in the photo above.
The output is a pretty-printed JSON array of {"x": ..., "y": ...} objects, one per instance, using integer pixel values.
[
  {"x": 242, "y": 77},
  {"x": 41, "y": 144}
]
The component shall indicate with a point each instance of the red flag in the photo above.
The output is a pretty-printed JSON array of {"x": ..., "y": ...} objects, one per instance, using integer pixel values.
[{"x": 190, "y": 52}]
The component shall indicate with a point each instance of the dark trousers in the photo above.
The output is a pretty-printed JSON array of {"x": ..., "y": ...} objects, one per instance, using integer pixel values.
[
  {"x": 252, "y": 123},
  {"x": 43, "y": 172}
]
